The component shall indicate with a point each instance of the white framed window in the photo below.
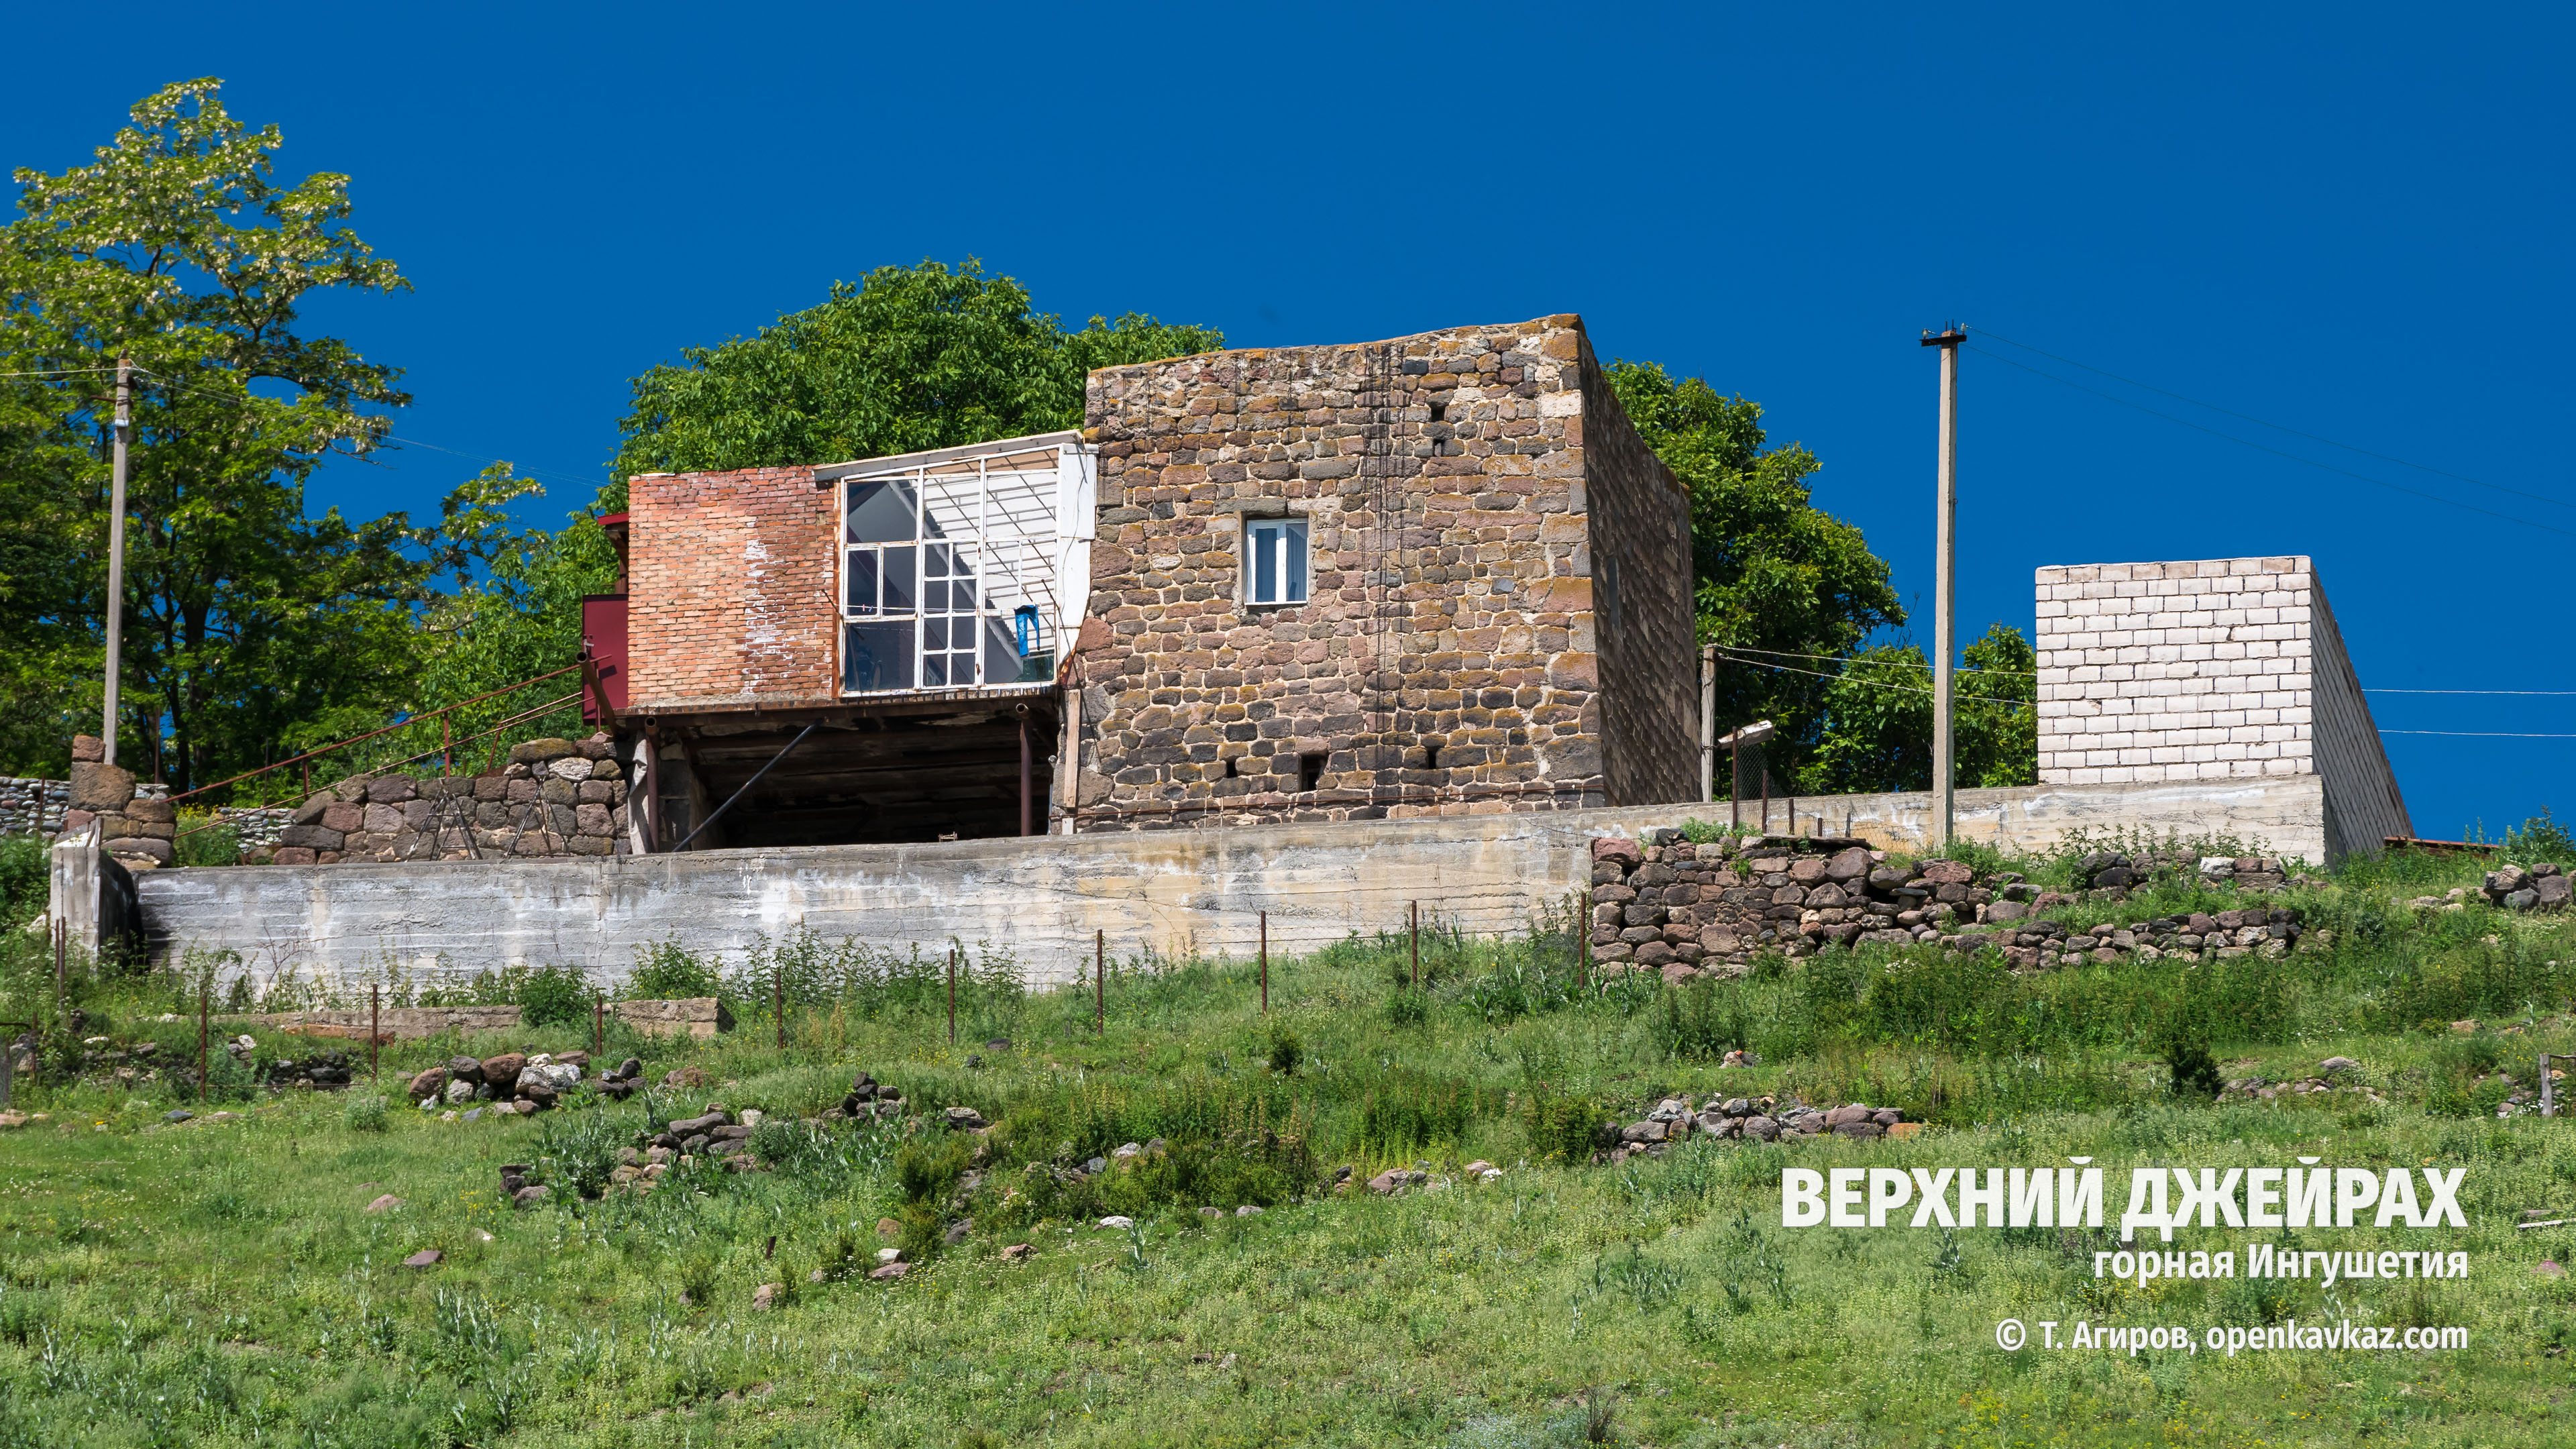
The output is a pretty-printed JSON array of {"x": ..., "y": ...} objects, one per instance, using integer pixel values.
[
  {"x": 1275, "y": 561},
  {"x": 937, "y": 564}
]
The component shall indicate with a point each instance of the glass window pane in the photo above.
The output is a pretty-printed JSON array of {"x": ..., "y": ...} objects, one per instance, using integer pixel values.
[
  {"x": 961, "y": 596},
  {"x": 934, "y": 596},
  {"x": 934, "y": 634},
  {"x": 881, "y": 512},
  {"x": 1294, "y": 537},
  {"x": 877, "y": 656},
  {"x": 899, "y": 593},
  {"x": 863, "y": 581},
  {"x": 934, "y": 671},
  {"x": 1265, "y": 564},
  {"x": 1002, "y": 662},
  {"x": 937, "y": 561}
]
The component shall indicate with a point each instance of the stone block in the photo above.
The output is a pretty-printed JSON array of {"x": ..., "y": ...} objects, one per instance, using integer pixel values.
[{"x": 100, "y": 787}]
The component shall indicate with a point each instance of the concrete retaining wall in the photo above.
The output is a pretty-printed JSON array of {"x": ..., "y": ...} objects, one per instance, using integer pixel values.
[{"x": 1171, "y": 892}]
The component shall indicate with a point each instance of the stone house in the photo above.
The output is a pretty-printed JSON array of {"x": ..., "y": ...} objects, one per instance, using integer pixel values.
[{"x": 1439, "y": 574}]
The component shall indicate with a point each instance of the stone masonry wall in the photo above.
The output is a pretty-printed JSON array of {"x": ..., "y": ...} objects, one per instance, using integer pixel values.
[
  {"x": 1641, "y": 594},
  {"x": 730, "y": 590},
  {"x": 554, "y": 798},
  {"x": 1442, "y": 477},
  {"x": 33, "y": 807}
]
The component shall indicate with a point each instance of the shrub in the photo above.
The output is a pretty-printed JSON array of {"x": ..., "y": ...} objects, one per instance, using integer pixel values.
[
  {"x": 1696, "y": 1023},
  {"x": 1561, "y": 1126},
  {"x": 2194, "y": 1070},
  {"x": 205, "y": 840},
  {"x": 1409, "y": 1108},
  {"x": 667, "y": 971},
  {"x": 23, "y": 879},
  {"x": 1406, "y": 1008},
  {"x": 364, "y": 1112},
  {"x": 1287, "y": 1053},
  {"x": 556, "y": 996}
]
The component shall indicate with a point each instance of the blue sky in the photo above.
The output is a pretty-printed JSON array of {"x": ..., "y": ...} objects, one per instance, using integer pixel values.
[{"x": 2348, "y": 220}]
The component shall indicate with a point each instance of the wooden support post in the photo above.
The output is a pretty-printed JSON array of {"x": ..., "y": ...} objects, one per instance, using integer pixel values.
[
  {"x": 952, "y": 990},
  {"x": 205, "y": 1017},
  {"x": 778, "y": 1001},
  {"x": 375, "y": 1032},
  {"x": 1582, "y": 939},
  {"x": 1265, "y": 963},
  {"x": 1415, "y": 912},
  {"x": 1025, "y": 771},
  {"x": 1100, "y": 983}
]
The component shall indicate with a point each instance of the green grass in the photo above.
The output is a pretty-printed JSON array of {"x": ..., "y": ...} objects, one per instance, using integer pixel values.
[{"x": 221, "y": 1283}]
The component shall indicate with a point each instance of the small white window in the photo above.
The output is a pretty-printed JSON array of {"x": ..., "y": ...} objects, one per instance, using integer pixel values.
[{"x": 1274, "y": 561}]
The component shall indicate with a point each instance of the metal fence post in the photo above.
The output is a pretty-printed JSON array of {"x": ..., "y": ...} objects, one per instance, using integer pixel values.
[
  {"x": 1414, "y": 911},
  {"x": 375, "y": 1032},
  {"x": 205, "y": 1016},
  {"x": 1100, "y": 983},
  {"x": 1265, "y": 963},
  {"x": 952, "y": 995}
]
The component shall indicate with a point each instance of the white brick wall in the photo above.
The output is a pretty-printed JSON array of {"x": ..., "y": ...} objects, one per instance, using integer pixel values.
[
  {"x": 2175, "y": 671},
  {"x": 2210, "y": 669}
]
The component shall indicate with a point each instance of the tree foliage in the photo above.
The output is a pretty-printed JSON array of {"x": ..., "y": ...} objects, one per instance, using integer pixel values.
[
  {"x": 1779, "y": 580},
  {"x": 908, "y": 358},
  {"x": 250, "y": 623},
  {"x": 1878, "y": 719}
]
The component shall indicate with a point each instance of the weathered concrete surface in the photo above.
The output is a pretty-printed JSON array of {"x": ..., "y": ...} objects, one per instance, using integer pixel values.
[
  {"x": 1173, "y": 893},
  {"x": 696, "y": 1017},
  {"x": 2285, "y": 815}
]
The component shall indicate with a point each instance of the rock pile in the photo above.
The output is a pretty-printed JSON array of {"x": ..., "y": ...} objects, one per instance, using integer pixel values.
[
  {"x": 555, "y": 797},
  {"x": 869, "y": 1100},
  {"x": 328, "y": 1072},
  {"x": 2334, "y": 1074},
  {"x": 33, "y": 807},
  {"x": 2046, "y": 944},
  {"x": 513, "y": 1082},
  {"x": 2111, "y": 875},
  {"x": 1752, "y": 1119},
  {"x": 2543, "y": 887},
  {"x": 718, "y": 1132}
]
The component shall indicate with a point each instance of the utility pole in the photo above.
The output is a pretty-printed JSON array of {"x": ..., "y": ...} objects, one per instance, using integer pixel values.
[
  {"x": 116, "y": 549},
  {"x": 1708, "y": 725},
  {"x": 1945, "y": 591}
]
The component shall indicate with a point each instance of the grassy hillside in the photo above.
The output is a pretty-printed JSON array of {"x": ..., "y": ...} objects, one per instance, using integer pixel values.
[{"x": 221, "y": 1281}]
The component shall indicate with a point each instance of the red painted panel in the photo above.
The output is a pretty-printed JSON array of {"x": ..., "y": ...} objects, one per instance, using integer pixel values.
[{"x": 603, "y": 628}]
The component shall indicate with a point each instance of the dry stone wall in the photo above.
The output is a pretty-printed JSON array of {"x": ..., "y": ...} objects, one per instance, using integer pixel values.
[
  {"x": 554, "y": 798},
  {"x": 1446, "y": 659},
  {"x": 1660, "y": 902}
]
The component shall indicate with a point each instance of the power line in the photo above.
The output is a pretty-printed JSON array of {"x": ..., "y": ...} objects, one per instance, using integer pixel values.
[
  {"x": 389, "y": 436},
  {"x": 1855, "y": 659},
  {"x": 2276, "y": 452},
  {"x": 2479, "y": 734},
  {"x": 2277, "y": 427},
  {"x": 1852, "y": 679},
  {"x": 2550, "y": 693}
]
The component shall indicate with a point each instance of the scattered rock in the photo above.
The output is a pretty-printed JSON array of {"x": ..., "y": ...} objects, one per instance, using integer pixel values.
[
  {"x": 1117, "y": 1220},
  {"x": 2332, "y": 1065},
  {"x": 531, "y": 1195},
  {"x": 889, "y": 1272},
  {"x": 1247, "y": 1211},
  {"x": 383, "y": 1203},
  {"x": 425, "y": 1258},
  {"x": 765, "y": 1297},
  {"x": 1016, "y": 1251},
  {"x": 889, "y": 1228}
]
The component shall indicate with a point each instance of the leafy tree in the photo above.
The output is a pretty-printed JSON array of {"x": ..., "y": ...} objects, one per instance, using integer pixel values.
[
  {"x": 909, "y": 358},
  {"x": 1877, "y": 732},
  {"x": 1773, "y": 572},
  {"x": 1781, "y": 581},
  {"x": 251, "y": 625}
]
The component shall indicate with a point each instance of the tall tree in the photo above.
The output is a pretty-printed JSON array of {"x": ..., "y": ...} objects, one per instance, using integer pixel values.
[
  {"x": 908, "y": 358},
  {"x": 251, "y": 625},
  {"x": 1773, "y": 572},
  {"x": 1783, "y": 582},
  {"x": 1877, "y": 732}
]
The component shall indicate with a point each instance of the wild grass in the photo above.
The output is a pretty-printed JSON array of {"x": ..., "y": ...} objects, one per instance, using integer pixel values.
[{"x": 219, "y": 1282}]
